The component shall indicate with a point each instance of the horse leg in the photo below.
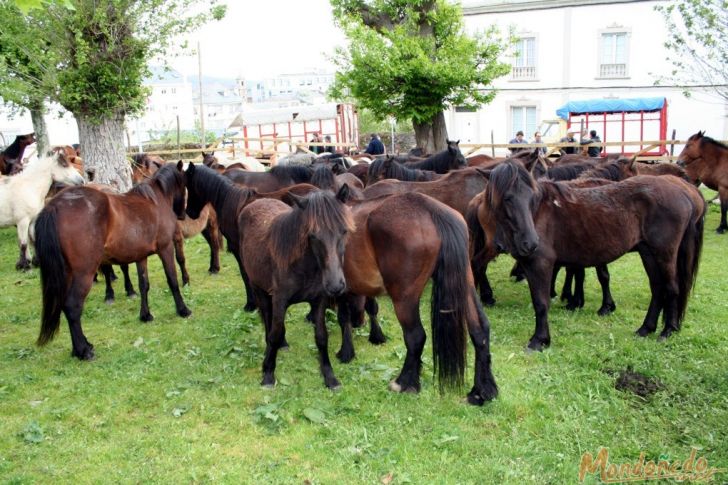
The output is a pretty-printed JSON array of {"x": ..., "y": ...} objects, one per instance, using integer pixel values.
[
  {"x": 577, "y": 299},
  {"x": 344, "y": 306},
  {"x": 649, "y": 325},
  {"x": 376, "y": 335},
  {"x": 210, "y": 235},
  {"x": 517, "y": 272},
  {"x": 671, "y": 290},
  {"x": 322, "y": 343},
  {"x": 484, "y": 386},
  {"x": 128, "y": 287},
  {"x": 72, "y": 308},
  {"x": 23, "y": 262},
  {"x": 566, "y": 288},
  {"x": 723, "y": 193},
  {"x": 608, "y": 305},
  {"x": 538, "y": 273},
  {"x": 408, "y": 314},
  {"x": 144, "y": 313},
  {"x": 250, "y": 305},
  {"x": 179, "y": 253},
  {"x": 275, "y": 335},
  {"x": 106, "y": 271},
  {"x": 167, "y": 257}
]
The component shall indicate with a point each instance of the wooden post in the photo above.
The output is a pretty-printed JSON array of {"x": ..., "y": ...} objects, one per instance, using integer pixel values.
[
  {"x": 179, "y": 153},
  {"x": 672, "y": 145},
  {"x": 492, "y": 142},
  {"x": 199, "y": 77}
]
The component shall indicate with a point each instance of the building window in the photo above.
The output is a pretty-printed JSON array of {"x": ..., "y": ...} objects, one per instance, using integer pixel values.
[
  {"x": 174, "y": 90},
  {"x": 524, "y": 63},
  {"x": 613, "y": 55},
  {"x": 523, "y": 118}
]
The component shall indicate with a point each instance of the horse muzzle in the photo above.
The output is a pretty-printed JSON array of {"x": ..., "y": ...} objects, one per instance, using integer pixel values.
[{"x": 681, "y": 163}]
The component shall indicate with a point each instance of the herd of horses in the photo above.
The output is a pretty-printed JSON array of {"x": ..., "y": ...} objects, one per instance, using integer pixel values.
[{"x": 339, "y": 233}]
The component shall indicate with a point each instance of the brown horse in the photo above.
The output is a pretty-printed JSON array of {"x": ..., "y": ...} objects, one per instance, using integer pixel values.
[
  {"x": 11, "y": 159},
  {"x": 400, "y": 243},
  {"x": 706, "y": 160},
  {"x": 276, "y": 178},
  {"x": 143, "y": 166},
  {"x": 117, "y": 229},
  {"x": 292, "y": 255},
  {"x": 388, "y": 168},
  {"x": 542, "y": 222}
]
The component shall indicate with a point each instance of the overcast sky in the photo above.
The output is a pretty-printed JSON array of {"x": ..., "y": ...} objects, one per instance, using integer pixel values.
[{"x": 265, "y": 37}]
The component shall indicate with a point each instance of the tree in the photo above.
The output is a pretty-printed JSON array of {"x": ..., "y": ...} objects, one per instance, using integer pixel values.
[
  {"x": 99, "y": 50},
  {"x": 411, "y": 59},
  {"x": 698, "y": 42}
]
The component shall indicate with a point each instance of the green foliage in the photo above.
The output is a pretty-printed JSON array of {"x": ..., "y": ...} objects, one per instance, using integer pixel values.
[
  {"x": 91, "y": 55},
  {"x": 369, "y": 123},
  {"x": 410, "y": 59},
  {"x": 698, "y": 42}
]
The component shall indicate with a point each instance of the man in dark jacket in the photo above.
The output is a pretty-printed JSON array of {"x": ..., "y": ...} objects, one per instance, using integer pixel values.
[
  {"x": 569, "y": 138},
  {"x": 375, "y": 147},
  {"x": 592, "y": 151}
]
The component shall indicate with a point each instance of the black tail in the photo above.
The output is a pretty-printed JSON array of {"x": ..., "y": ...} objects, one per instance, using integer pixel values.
[
  {"x": 688, "y": 261},
  {"x": 449, "y": 299},
  {"x": 52, "y": 273}
]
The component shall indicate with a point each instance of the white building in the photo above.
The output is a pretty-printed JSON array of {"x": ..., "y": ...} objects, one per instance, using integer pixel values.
[
  {"x": 310, "y": 84},
  {"x": 170, "y": 96},
  {"x": 579, "y": 50}
]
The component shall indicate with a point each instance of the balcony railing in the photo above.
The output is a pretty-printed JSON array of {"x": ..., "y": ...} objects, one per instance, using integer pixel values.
[
  {"x": 613, "y": 70},
  {"x": 520, "y": 73}
]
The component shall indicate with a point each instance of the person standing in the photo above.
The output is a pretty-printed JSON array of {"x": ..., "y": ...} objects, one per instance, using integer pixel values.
[
  {"x": 315, "y": 148},
  {"x": 569, "y": 138},
  {"x": 537, "y": 139},
  {"x": 375, "y": 146},
  {"x": 517, "y": 140},
  {"x": 329, "y": 148},
  {"x": 593, "y": 151}
]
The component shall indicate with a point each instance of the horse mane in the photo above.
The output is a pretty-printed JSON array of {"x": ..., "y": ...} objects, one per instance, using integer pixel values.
[
  {"x": 712, "y": 141},
  {"x": 298, "y": 173},
  {"x": 439, "y": 162},
  {"x": 569, "y": 171},
  {"x": 504, "y": 177},
  {"x": 165, "y": 178},
  {"x": 288, "y": 233},
  {"x": 612, "y": 170},
  {"x": 396, "y": 170},
  {"x": 323, "y": 178},
  {"x": 209, "y": 181}
]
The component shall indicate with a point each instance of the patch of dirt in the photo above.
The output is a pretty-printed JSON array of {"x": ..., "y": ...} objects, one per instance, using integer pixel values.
[{"x": 636, "y": 383}]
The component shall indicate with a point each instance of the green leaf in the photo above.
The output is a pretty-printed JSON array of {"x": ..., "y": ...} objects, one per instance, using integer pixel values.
[
  {"x": 315, "y": 415},
  {"x": 33, "y": 433}
]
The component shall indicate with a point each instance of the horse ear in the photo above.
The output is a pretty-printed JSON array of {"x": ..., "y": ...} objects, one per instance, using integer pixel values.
[
  {"x": 484, "y": 172},
  {"x": 190, "y": 168},
  {"x": 343, "y": 193},
  {"x": 301, "y": 202},
  {"x": 180, "y": 166},
  {"x": 701, "y": 133}
]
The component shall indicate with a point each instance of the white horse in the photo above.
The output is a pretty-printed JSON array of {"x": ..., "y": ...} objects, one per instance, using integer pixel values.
[{"x": 22, "y": 196}]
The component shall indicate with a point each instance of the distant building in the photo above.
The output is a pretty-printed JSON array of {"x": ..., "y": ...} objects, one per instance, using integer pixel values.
[
  {"x": 579, "y": 50},
  {"x": 311, "y": 84},
  {"x": 170, "y": 96}
]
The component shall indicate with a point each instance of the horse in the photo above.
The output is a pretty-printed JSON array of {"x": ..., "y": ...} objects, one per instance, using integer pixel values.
[
  {"x": 542, "y": 222},
  {"x": 400, "y": 242},
  {"x": 143, "y": 166},
  {"x": 388, "y": 168},
  {"x": 658, "y": 169},
  {"x": 442, "y": 162},
  {"x": 206, "y": 186},
  {"x": 292, "y": 255},
  {"x": 706, "y": 160},
  {"x": 71, "y": 155},
  {"x": 116, "y": 229},
  {"x": 277, "y": 178},
  {"x": 22, "y": 197},
  {"x": 11, "y": 159}
]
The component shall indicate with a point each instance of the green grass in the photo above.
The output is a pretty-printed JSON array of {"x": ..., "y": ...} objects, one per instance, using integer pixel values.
[{"x": 179, "y": 401}]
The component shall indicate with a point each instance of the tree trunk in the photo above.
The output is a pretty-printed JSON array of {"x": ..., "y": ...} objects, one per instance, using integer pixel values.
[
  {"x": 103, "y": 152},
  {"x": 41, "y": 130},
  {"x": 432, "y": 135}
]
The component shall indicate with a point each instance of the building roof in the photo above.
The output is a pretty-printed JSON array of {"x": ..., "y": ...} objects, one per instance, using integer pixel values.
[
  {"x": 284, "y": 115},
  {"x": 476, "y": 7}
]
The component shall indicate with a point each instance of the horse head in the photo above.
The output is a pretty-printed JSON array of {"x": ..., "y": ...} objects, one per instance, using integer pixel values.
[
  {"x": 328, "y": 223},
  {"x": 691, "y": 151},
  {"x": 195, "y": 200},
  {"x": 453, "y": 147},
  {"x": 62, "y": 171},
  {"x": 512, "y": 194}
]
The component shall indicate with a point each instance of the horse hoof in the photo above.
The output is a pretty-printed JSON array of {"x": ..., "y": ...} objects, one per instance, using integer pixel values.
[
  {"x": 720, "y": 230},
  {"x": 131, "y": 295},
  {"x": 109, "y": 301},
  {"x": 393, "y": 386},
  {"x": 345, "y": 357},
  {"x": 213, "y": 270},
  {"x": 536, "y": 346},
  {"x": 184, "y": 312},
  {"x": 377, "y": 339},
  {"x": 606, "y": 310},
  {"x": 643, "y": 331},
  {"x": 488, "y": 301},
  {"x": 268, "y": 383},
  {"x": 22, "y": 266},
  {"x": 250, "y": 307},
  {"x": 146, "y": 317},
  {"x": 333, "y": 384},
  {"x": 87, "y": 354}
]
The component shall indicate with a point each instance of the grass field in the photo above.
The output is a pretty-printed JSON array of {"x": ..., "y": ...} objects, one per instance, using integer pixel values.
[{"x": 179, "y": 401}]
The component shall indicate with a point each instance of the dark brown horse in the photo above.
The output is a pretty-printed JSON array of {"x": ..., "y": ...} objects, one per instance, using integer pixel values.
[
  {"x": 118, "y": 229},
  {"x": 11, "y": 159},
  {"x": 292, "y": 255},
  {"x": 449, "y": 159},
  {"x": 276, "y": 178},
  {"x": 400, "y": 243},
  {"x": 544, "y": 222},
  {"x": 388, "y": 168},
  {"x": 706, "y": 160}
]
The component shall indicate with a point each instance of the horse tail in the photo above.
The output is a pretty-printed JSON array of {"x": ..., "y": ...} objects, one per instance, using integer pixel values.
[
  {"x": 449, "y": 298},
  {"x": 688, "y": 261},
  {"x": 52, "y": 273}
]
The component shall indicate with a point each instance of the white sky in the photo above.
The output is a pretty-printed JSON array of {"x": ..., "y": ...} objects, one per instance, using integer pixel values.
[{"x": 260, "y": 38}]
